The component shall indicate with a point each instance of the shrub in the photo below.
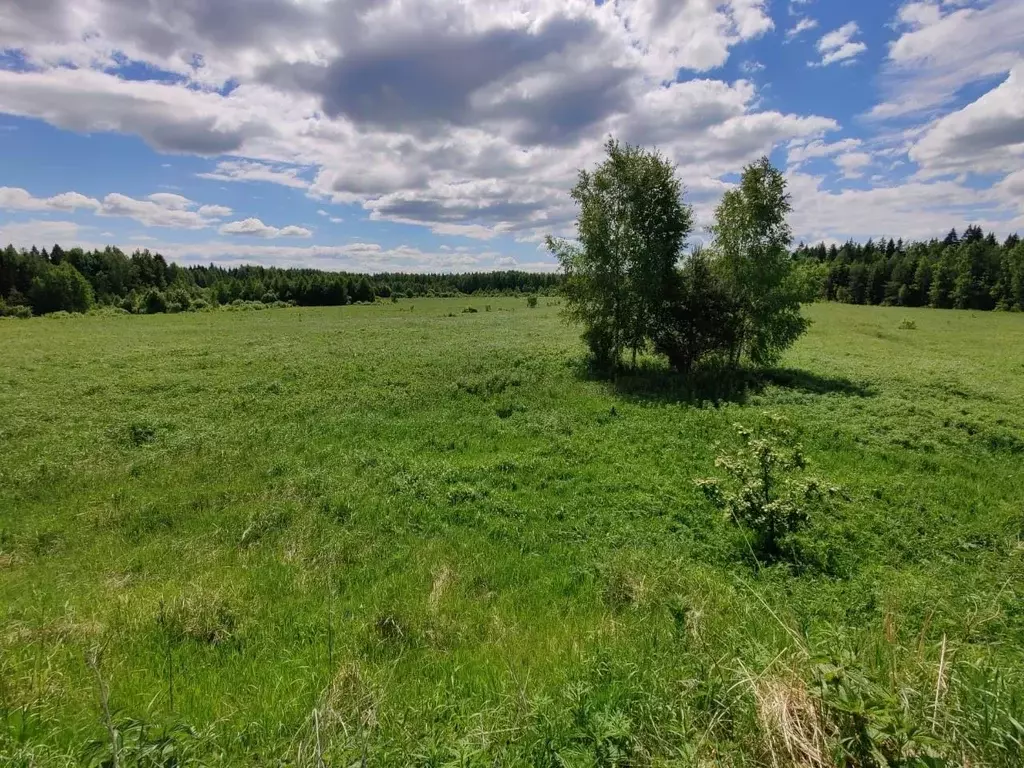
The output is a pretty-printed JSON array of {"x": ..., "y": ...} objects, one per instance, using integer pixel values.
[
  {"x": 155, "y": 302},
  {"x": 19, "y": 311},
  {"x": 699, "y": 321},
  {"x": 908, "y": 325},
  {"x": 766, "y": 501},
  {"x": 531, "y": 302},
  {"x": 60, "y": 288}
]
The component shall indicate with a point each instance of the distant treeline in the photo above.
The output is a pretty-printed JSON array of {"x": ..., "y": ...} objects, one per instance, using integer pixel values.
[
  {"x": 39, "y": 282},
  {"x": 968, "y": 271},
  {"x": 972, "y": 270}
]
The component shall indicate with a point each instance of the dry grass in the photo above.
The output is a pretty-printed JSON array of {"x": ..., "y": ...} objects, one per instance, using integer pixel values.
[{"x": 791, "y": 722}]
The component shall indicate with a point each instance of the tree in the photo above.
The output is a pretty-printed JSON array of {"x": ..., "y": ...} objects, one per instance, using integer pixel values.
[
  {"x": 60, "y": 288},
  {"x": 699, "y": 320},
  {"x": 752, "y": 240},
  {"x": 621, "y": 271}
]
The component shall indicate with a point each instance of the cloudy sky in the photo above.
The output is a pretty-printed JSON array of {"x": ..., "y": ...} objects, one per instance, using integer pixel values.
[{"x": 445, "y": 134}]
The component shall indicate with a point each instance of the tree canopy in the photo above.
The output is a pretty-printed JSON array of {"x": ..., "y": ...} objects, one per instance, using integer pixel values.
[{"x": 632, "y": 286}]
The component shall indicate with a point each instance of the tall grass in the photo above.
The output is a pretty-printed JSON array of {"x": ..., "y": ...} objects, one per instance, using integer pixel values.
[{"x": 368, "y": 534}]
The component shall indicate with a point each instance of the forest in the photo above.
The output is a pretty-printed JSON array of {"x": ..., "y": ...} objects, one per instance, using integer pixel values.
[
  {"x": 37, "y": 281},
  {"x": 972, "y": 270},
  {"x": 968, "y": 271}
]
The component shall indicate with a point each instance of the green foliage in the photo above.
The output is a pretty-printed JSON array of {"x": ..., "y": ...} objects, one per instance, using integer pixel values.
[
  {"x": 751, "y": 245},
  {"x": 424, "y": 579},
  {"x": 117, "y": 279},
  {"x": 630, "y": 234},
  {"x": 699, "y": 320},
  {"x": 155, "y": 302},
  {"x": 969, "y": 272},
  {"x": 531, "y": 302},
  {"x": 143, "y": 745},
  {"x": 765, "y": 498},
  {"x": 60, "y": 288}
]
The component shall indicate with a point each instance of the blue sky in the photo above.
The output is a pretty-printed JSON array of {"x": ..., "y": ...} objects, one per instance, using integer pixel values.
[{"x": 443, "y": 135}]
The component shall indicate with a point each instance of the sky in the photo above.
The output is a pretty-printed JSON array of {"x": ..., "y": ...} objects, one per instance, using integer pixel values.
[{"x": 445, "y": 135}]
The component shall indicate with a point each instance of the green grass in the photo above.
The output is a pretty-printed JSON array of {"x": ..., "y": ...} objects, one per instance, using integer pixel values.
[{"x": 427, "y": 537}]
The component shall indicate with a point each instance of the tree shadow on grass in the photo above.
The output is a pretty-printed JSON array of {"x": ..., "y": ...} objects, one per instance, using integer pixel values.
[{"x": 714, "y": 385}]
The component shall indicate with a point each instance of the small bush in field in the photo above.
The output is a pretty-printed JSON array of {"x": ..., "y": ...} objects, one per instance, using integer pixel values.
[
  {"x": 765, "y": 497},
  {"x": 155, "y": 302},
  {"x": 531, "y": 302},
  {"x": 908, "y": 325}
]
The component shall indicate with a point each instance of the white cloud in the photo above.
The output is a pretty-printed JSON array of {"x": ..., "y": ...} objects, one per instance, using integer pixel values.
[
  {"x": 838, "y": 46},
  {"x": 244, "y": 170},
  {"x": 945, "y": 46},
  {"x": 800, "y": 152},
  {"x": 852, "y": 163},
  {"x": 909, "y": 210},
  {"x": 25, "y": 234},
  {"x": 18, "y": 199},
  {"x": 985, "y": 136},
  {"x": 802, "y": 25},
  {"x": 336, "y": 220},
  {"x": 255, "y": 228},
  {"x": 407, "y": 110},
  {"x": 161, "y": 209},
  {"x": 214, "y": 211}
]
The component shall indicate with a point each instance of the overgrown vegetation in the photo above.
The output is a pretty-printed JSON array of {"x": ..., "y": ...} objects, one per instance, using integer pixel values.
[{"x": 331, "y": 535}]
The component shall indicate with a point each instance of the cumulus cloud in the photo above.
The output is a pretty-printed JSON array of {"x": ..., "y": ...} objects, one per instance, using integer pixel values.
[
  {"x": 409, "y": 110},
  {"x": 987, "y": 135},
  {"x": 168, "y": 117},
  {"x": 18, "y": 199},
  {"x": 838, "y": 46},
  {"x": 910, "y": 210},
  {"x": 473, "y": 118},
  {"x": 852, "y": 163},
  {"x": 161, "y": 209},
  {"x": 25, "y": 234},
  {"x": 253, "y": 227},
  {"x": 945, "y": 46}
]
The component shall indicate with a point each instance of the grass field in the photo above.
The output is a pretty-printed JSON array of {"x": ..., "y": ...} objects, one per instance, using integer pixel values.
[{"x": 402, "y": 534}]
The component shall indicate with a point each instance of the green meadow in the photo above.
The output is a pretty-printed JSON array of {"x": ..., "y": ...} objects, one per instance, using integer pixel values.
[{"x": 407, "y": 534}]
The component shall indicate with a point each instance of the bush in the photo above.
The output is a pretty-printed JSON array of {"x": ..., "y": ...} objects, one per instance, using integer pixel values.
[
  {"x": 469, "y": 311},
  {"x": 699, "y": 321},
  {"x": 531, "y": 302},
  {"x": 19, "y": 311},
  {"x": 60, "y": 288},
  {"x": 155, "y": 302},
  {"x": 766, "y": 501}
]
